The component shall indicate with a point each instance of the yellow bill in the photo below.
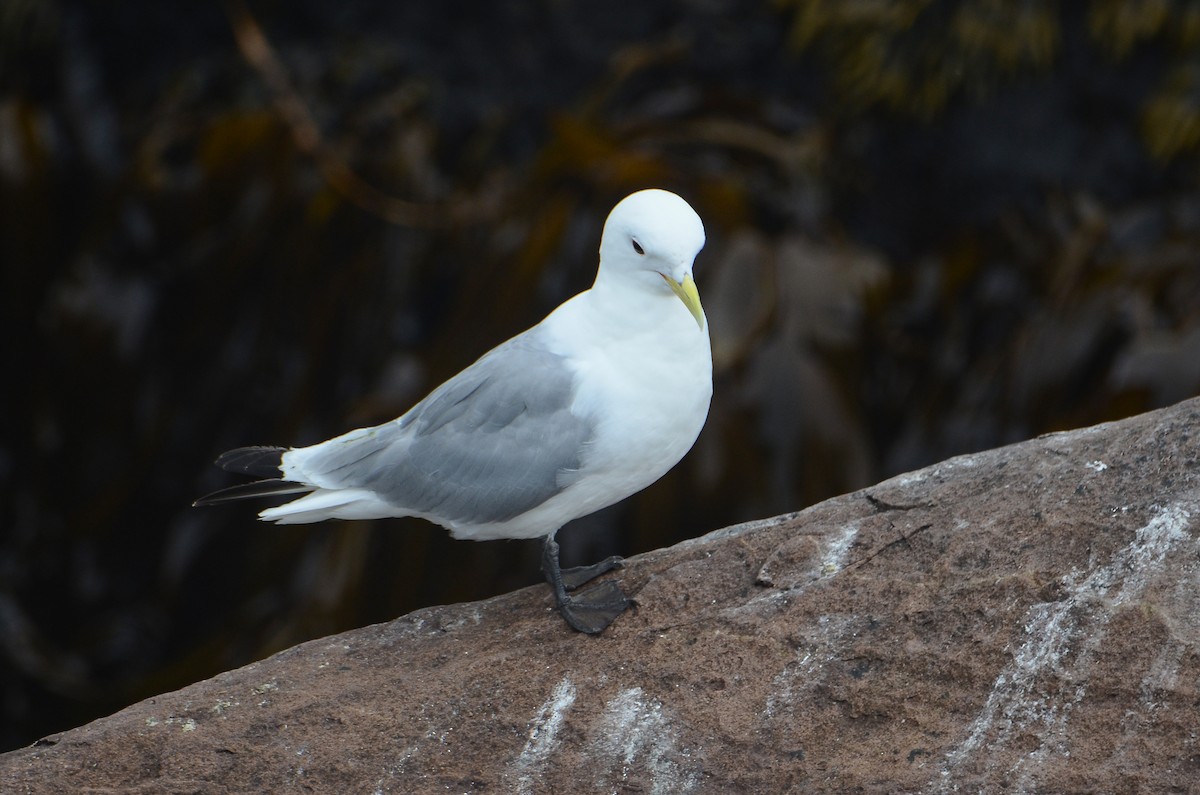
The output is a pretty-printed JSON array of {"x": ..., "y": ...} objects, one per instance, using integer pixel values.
[{"x": 689, "y": 295}]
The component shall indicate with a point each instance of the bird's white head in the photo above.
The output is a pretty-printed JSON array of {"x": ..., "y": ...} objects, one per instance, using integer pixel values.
[{"x": 652, "y": 234}]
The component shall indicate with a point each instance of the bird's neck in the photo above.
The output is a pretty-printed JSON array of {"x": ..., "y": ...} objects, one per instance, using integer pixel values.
[{"x": 637, "y": 299}]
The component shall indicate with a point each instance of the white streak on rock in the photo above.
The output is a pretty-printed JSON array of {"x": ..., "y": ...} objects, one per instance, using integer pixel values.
[
  {"x": 834, "y": 555},
  {"x": 543, "y": 736},
  {"x": 798, "y": 680},
  {"x": 633, "y": 732},
  {"x": 1034, "y": 695}
]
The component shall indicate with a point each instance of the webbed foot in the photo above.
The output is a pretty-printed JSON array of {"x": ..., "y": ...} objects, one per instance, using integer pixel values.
[
  {"x": 590, "y": 610},
  {"x": 581, "y": 575}
]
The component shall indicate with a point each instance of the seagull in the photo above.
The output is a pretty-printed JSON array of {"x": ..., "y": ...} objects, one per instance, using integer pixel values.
[{"x": 593, "y": 404}]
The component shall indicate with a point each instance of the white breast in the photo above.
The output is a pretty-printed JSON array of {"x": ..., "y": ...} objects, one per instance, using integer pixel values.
[{"x": 647, "y": 384}]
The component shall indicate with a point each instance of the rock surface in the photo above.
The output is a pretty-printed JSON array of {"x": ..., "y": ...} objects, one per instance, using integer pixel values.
[{"x": 1024, "y": 620}]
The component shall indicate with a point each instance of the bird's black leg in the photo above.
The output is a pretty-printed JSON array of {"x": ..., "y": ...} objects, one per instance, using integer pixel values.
[{"x": 589, "y": 611}]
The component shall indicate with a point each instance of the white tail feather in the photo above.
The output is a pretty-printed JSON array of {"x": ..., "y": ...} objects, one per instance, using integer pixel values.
[{"x": 331, "y": 504}]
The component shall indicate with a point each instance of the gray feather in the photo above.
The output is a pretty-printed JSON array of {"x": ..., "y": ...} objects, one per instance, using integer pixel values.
[{"x": 493, "y": 442}]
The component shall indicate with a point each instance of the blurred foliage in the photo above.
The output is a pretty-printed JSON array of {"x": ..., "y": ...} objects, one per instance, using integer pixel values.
[
  {"x": 934, "y": 227},
  {"x": 915, "y": 56}
]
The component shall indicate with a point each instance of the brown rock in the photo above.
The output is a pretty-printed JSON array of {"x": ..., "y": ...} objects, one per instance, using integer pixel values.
[{"x": 1024, "y": 619}]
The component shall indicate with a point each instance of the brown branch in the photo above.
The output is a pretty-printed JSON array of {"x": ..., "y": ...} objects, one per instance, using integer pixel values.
[
  {"x": 902, "y": 538},
  {"x": 261, "y": 56}
]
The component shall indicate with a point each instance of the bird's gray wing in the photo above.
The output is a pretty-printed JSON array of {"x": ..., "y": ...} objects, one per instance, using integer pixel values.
[{"x": 489, "y": 444}]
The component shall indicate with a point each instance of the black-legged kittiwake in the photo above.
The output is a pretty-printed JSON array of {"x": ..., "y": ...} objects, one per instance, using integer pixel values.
[{"x": 589, "y": 406}]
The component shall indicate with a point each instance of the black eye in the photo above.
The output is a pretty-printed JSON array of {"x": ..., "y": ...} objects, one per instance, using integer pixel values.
[{"x": 638, "y": 247}]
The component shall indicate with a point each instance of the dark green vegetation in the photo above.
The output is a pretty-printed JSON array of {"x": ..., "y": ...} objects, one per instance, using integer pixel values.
[{"x": 933, "y": 227}]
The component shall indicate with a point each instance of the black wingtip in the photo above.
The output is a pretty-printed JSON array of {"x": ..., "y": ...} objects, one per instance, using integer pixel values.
[
  {"x": 259, "y": 462},
  {"x": 259, "y": 488}
]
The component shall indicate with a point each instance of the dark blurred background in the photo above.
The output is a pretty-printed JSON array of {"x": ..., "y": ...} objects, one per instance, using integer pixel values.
[{"x": 933, "y": 227}]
